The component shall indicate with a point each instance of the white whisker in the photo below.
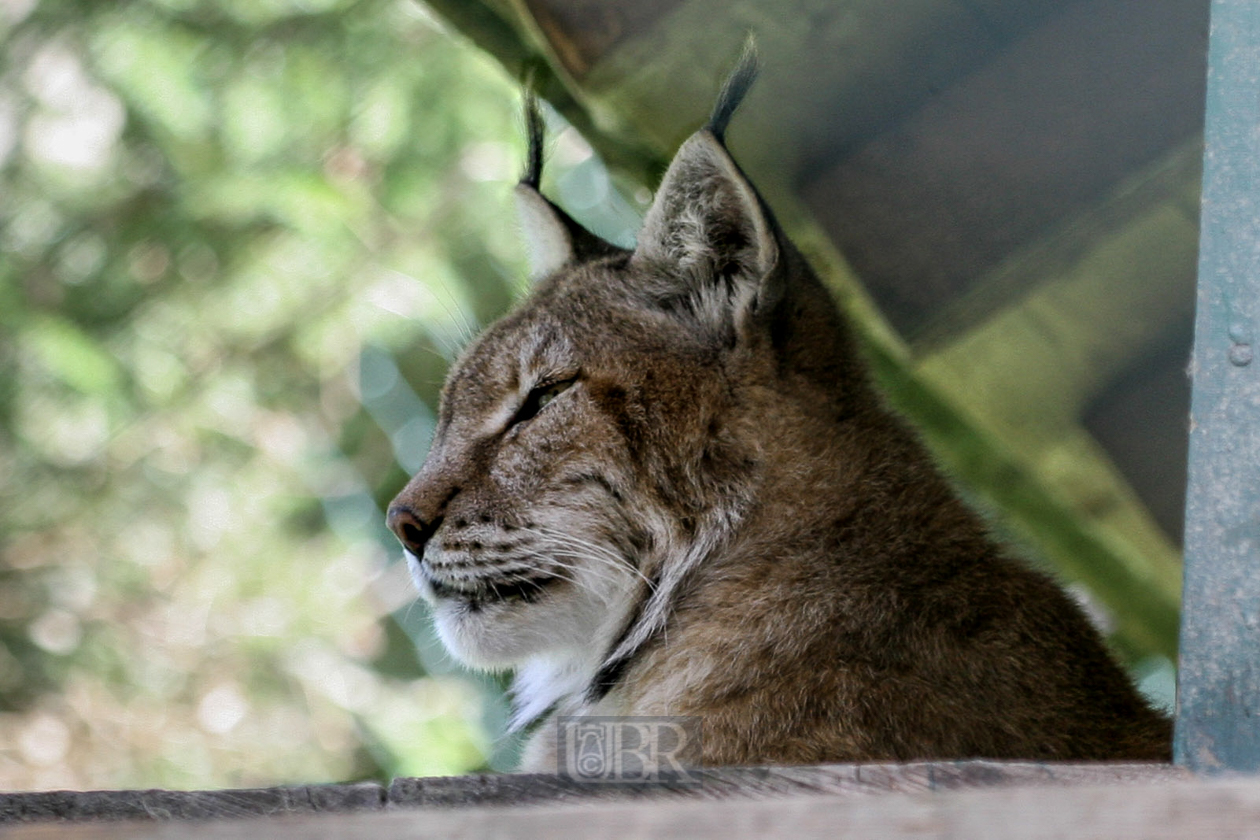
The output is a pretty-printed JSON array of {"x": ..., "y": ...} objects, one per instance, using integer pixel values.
[{"x": 594, "y": 552}]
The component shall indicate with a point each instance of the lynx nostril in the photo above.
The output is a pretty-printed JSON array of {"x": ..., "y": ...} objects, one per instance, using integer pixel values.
[
  {"x": 411, "y": 534},
  {"x": 411, "y": 530}
]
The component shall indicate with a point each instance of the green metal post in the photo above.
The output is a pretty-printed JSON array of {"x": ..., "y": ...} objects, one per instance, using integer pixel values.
[{"x": 1218, "y": 702}]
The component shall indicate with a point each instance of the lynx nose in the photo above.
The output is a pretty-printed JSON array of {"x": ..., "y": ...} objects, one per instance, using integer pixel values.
[{"x": 412, "y": 531}]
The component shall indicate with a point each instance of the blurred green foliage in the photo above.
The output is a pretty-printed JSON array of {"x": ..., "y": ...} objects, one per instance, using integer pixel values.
[{"x": 239, "y": 243}]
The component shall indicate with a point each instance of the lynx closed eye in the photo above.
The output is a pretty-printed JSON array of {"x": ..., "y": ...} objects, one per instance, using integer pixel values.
[{"x": 539, "y": 398}]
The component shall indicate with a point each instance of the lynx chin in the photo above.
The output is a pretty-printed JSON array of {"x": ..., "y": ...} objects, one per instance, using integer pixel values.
[{"x": 664, "y": 485}]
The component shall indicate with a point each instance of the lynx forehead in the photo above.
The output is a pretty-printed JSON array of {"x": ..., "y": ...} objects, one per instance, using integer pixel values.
[{"x": 664, "y": 485}]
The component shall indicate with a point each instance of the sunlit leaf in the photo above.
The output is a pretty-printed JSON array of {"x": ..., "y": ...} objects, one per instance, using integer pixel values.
[{"x": 72, "y": 356}]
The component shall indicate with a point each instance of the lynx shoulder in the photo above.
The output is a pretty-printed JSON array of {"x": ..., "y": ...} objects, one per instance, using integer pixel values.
[{"x": 664, "y": 485}]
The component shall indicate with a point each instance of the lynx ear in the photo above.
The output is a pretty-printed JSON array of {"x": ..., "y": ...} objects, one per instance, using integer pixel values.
[
  {"x": 548, "y": 243},
  {"x": 552, "y": 238},
  {"x": 709, "y": 229}
]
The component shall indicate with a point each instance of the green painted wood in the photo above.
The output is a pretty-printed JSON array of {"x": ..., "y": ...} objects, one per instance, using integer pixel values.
[{"x": 1218, "y": 720}]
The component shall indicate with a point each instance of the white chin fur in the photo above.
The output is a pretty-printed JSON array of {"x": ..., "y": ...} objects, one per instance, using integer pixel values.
[
  {"x": 556, "y": 644},
  {"x": 500, "y": 635},
  {"x": 564, "y": 622}
]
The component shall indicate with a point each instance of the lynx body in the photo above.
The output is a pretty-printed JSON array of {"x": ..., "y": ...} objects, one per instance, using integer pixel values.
[{"x": 664, "y": 485}]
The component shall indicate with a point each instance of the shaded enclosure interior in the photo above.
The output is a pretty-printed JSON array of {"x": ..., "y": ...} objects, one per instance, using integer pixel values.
[{"x": 1013, "y": 185}]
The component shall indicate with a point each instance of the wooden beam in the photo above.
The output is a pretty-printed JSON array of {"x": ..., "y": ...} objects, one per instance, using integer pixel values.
[
  {"x": 1187, "y": 808},
  {"x": 1218, "y": 722},
  {"x": 509, "y": 789}
]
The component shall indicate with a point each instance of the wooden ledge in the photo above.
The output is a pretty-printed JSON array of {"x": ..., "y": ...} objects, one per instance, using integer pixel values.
[
  {"x": 1176, "y": 808},
  {"x": 492, "y": 791}
]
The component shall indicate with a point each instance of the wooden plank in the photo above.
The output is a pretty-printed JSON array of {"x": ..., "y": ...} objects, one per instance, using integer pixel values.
[
  {"x": 534, "y": 789},
  {"x": 1190, "y": 808},
  {"x": 1218, "y": 722},
  {"x": 834, "y": 74},
  {"x": 1044, "y": 130},
  {"x": 737, "y": 782},
  {"x": 113, "y": 805}
]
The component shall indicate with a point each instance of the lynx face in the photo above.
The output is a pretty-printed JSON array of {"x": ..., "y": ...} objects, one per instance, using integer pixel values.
[
  {"x": 537, "y": 491},
  {"x": 599, "y": 441}
]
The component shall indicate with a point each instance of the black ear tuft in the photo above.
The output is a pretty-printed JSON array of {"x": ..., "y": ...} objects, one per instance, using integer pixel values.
[
  {"x": 534, "y": 134},
  {"x": 735, "y": 89},
  {"x": 552, "y": 238}
]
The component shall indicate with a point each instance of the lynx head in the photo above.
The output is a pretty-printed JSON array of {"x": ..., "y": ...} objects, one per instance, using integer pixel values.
[{"x": 601, "y": 440}]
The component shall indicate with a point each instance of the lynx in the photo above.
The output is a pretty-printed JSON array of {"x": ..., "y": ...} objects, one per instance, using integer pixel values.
[{"x": 664, "y": 485}]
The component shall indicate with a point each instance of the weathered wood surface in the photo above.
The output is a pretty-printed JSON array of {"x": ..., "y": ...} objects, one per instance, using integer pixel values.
[
  {"x": 528, "y": 789},
  {"x": 113, "y": 805},
  {"x": 1180, "y": 809}
]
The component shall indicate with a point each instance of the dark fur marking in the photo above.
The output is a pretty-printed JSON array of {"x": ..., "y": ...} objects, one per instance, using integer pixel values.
[
  {"x": 619, "y": 404},
  {"x": 611, "y": 672},
  {"x": 534, "y": 132},
  {"x": 607, "y": 678},
  {"x": 640, "y": 540},
  {"x": 594, "y": 479}
]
